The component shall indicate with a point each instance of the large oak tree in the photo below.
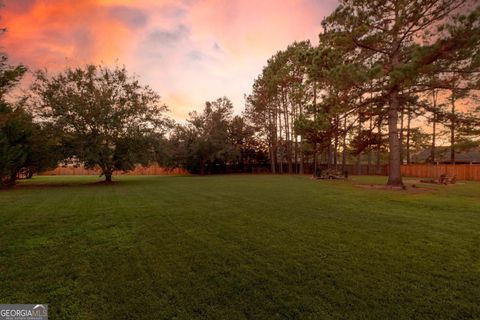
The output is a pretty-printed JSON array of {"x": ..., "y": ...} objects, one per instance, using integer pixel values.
[{"x": 105, "y": 118}]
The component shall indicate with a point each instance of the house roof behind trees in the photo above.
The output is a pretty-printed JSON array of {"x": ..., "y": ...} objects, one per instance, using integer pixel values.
[{"x": 442, "y": 155}]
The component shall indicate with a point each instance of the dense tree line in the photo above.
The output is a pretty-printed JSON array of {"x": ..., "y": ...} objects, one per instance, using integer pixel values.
[
  {"x": 381, "y": 73},
  {"x": 212, "y": 140},
  {"x": 103, "y": 118}
]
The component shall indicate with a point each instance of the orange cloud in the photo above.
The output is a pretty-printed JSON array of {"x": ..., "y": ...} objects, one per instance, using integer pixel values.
[
  {"x": 52, "y": 33},
  {"x": 188, "y": 50}
]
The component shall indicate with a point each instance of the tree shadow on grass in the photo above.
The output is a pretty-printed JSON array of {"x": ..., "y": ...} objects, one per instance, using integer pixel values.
[
  {"x": 58, "y": 182},
  {"x": 62, "y": 184}
]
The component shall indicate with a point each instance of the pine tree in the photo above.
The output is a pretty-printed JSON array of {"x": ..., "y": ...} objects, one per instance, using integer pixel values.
[{"x": 387, "y": 32}]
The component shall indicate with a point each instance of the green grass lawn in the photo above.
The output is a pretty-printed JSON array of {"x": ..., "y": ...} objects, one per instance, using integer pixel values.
[{"x": 240, "y": 247}]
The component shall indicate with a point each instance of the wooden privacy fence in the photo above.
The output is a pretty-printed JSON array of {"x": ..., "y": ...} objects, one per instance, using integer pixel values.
[
  {"x": 461, "y": 171},
  {"x": 153, "y": 170}
]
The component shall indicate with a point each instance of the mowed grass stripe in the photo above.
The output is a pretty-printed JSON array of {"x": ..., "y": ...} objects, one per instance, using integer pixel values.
[{"x": 240, "y": 247}]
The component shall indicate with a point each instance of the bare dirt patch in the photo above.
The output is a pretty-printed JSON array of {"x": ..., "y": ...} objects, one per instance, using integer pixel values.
[
  {"x": 103, "y": 183},
  {"x": 411, "y": 188}
]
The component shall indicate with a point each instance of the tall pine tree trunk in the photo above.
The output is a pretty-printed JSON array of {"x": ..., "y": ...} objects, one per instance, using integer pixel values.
[
  {"x": 409, "y": 120},
  {"x": 344, "y": 144},
  {"x": 379, "y": 145},
  {"x": 359, "y": 156},
  {"x": 453, "y": 125},
  {"x": 329, "y": 155},
  {"x": 280, "y": 154},
  {"x": 315, "y": 146},
  {"x": 302, "y": 160},
  {"x": 394, "y": 173},
  {"x": 295, "y": 154},
  {"x": 369, "y": 156},
  {"x": 335, "y": 146},
  {"x": 434, "y": 126},
  {"x": 288, "y": 140},
  {"x": 401, "y": 135},
  {"x": 452, "y": 130},
  {"x": 272, "y": 142},
  {"x": 394, "y": 155},
  {"x": 272, "y": 160},
  {"x": 434, "y": 133},
  {"x": 295, "y": 139}
]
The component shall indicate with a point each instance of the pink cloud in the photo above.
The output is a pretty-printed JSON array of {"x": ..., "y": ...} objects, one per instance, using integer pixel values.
[{"x": 189, "y": 51}]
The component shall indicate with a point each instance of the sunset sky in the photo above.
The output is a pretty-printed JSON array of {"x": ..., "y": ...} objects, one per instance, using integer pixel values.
[{"x": 189, "y": 51}]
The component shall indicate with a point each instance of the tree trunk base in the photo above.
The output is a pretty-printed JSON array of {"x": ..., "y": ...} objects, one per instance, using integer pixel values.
[
  {"x": 395, "y": 182},
  {"x": 108, "y": 177}
]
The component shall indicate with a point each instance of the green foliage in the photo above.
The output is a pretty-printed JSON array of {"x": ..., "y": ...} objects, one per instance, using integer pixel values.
[
  {"x": 25, "y": 146},
  {"x": 318, "y": 130},
  {"x": 15, "y": 131},
  {"x": 9, "y": 75},
  {"x": 212, "y": 139},
  {"x": 365, "y": 140},
  {"x": 103, "y": 116},
  {"x": 392, "y": 47}
]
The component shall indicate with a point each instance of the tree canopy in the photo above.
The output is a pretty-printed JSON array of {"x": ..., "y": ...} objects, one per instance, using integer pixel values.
[{"x": 104, "y": 117}]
